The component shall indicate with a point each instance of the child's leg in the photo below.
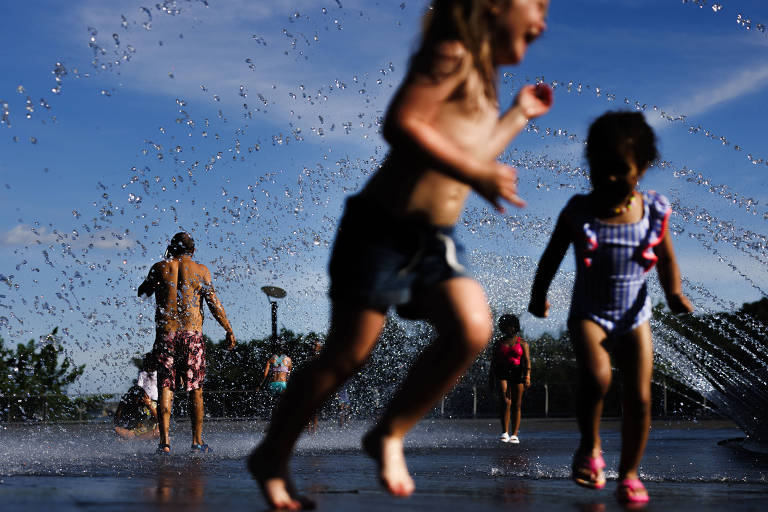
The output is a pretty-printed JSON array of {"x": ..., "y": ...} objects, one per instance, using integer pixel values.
[
  {"x": 516, "y": 393},
  {"x": 594, "y": 367},
  {"x": 124, "y": 433},
  {"x": 459, "y": 311},
  {"x": 635, "y": 359},
  {"x": 505, "y": 404},
  {"x": 351, "y": 338}
]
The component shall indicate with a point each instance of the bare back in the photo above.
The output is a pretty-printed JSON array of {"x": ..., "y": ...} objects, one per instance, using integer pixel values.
[{"x": 180, "y": 285}]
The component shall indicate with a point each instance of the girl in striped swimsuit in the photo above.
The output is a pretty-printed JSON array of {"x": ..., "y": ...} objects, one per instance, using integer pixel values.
[{"x": 618, "y": 235}]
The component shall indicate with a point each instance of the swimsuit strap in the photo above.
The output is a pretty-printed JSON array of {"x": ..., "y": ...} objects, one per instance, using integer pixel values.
[
  {"x": 278, "y": 366},
  {"x": 509, "y": 354}
]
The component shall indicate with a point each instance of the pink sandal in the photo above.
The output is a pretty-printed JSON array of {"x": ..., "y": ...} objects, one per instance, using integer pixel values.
[
  {"x": 592, "y": 468},
  {"x": 632, "y": 490}
]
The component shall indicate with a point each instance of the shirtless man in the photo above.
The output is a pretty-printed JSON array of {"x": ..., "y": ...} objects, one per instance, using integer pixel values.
[{"x": 180, "y": 285}]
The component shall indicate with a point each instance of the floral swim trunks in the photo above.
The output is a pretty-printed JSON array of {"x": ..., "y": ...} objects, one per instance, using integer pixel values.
[{"x": 181, "y": 359}]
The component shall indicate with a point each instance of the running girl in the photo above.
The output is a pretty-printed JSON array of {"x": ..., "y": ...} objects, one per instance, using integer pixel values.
[
  {"x": 618, "y": 235},
  {"x": 395, "y": 245}
]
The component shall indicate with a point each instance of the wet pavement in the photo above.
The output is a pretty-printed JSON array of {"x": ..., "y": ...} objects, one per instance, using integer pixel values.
[{"x": 457, "y": 465}]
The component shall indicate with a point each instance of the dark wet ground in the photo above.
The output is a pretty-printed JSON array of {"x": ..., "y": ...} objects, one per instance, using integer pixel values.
[{"x": 457, "y": 465}]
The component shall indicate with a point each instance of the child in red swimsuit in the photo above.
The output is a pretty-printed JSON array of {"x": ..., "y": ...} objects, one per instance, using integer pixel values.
[{"x": 511, "y": 375}]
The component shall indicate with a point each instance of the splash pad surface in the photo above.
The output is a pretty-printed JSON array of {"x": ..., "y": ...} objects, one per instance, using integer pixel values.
[{"x": 457, "y": 464}]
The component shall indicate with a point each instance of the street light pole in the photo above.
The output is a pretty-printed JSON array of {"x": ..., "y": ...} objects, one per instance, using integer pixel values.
[
  {"x": 273, "y": 303},
  {"x": 273, "y": 292}
]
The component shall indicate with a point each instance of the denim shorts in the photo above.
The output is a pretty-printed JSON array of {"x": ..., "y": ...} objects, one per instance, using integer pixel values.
[{"x": 380, "y": 261}]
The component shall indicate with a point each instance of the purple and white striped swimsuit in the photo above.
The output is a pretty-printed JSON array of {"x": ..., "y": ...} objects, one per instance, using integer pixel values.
[{"x": 612, "y": 261}]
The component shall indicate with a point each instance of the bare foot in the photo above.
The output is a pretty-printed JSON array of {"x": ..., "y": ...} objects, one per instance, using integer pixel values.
[
  {"x": 276, "y": 486},
  {"x": 387, "y": 451}
]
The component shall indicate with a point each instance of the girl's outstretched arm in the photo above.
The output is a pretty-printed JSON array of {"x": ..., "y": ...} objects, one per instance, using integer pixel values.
[
  {"x": 669, "y": 276},
  {"x": 411, "y": 125},
  {"x": 532, "y": 101},
  {"x": 548, "y": 265}
]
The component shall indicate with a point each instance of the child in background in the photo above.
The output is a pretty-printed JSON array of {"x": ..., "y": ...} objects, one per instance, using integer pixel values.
[
  {"x": 344, "y": 404},
  {"x": 147, "y": 379},
  {"x": 618, "y": 235},
  {"x": 136, "y": 414},
  {"x": 510, "y": 375},
  {"x": 395, "y": 244}
]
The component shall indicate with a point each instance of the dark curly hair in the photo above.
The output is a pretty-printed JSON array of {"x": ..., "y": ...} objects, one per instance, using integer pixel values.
[
  {"x": 616, "y": 138},
  {"x": 509, "y": 324},
  {"x": 181, "y": 243}
]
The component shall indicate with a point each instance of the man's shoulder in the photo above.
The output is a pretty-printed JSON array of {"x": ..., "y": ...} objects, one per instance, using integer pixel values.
[{"x": 200, "y": 267}]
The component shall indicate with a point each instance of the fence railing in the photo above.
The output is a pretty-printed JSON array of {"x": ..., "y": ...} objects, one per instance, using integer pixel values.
[{"x": 464, "y": 401}]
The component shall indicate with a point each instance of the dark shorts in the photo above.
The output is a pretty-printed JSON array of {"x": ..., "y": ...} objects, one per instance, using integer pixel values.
[
  {"x": 513, "y": 374},
  {"x": 181, "y": 359},
  {"x": 380, "y": 261}
]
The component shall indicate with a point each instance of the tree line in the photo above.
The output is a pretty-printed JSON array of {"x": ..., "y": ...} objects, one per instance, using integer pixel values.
[{"x": 35, "y": 376}]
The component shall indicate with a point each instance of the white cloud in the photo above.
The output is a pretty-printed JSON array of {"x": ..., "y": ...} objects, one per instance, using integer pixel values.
[
  {"x": 749, "y": 81},
  {"x": 24, "y": 235}
]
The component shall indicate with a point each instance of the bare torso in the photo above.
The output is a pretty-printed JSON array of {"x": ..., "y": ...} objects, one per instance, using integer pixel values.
[
  {"x": 409, "y": 185},
  {"x": 179, "y": 285}
]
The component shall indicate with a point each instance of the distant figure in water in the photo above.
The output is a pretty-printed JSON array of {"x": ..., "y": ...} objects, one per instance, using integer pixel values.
[
  {"x": 510, "y": 375},
  {"x": 180, "y": 286},
  {"x": 344, "y": 404},
  {"x": 147, "y": 377},
  {"x": 395, "y": 245},
  {"x": 136, "y": 415},
  {"x": 276, "y": 372},
  {"x": 618, "y": 235}
]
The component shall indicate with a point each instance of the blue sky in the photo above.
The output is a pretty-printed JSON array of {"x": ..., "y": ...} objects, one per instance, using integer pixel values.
[{"x": 248, "y": 122}]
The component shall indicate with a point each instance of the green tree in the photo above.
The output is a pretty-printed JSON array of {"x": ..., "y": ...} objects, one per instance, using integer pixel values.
[{"x": 34, "y": 382}]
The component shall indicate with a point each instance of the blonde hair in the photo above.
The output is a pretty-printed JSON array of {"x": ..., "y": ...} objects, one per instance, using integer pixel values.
[{"x": 466, "y": 21}]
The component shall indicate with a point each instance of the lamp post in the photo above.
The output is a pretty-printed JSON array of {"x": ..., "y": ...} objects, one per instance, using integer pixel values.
[{"x": 273, "y": 292}]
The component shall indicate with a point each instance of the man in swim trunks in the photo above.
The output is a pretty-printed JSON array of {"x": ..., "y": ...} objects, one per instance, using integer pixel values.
[{"x": 180, "y": 286}]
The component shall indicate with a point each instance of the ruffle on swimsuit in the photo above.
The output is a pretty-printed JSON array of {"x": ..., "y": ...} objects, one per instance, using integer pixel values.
[
  {"x": 658, "y": 209},
  {"x": 659, "y": 212}
]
